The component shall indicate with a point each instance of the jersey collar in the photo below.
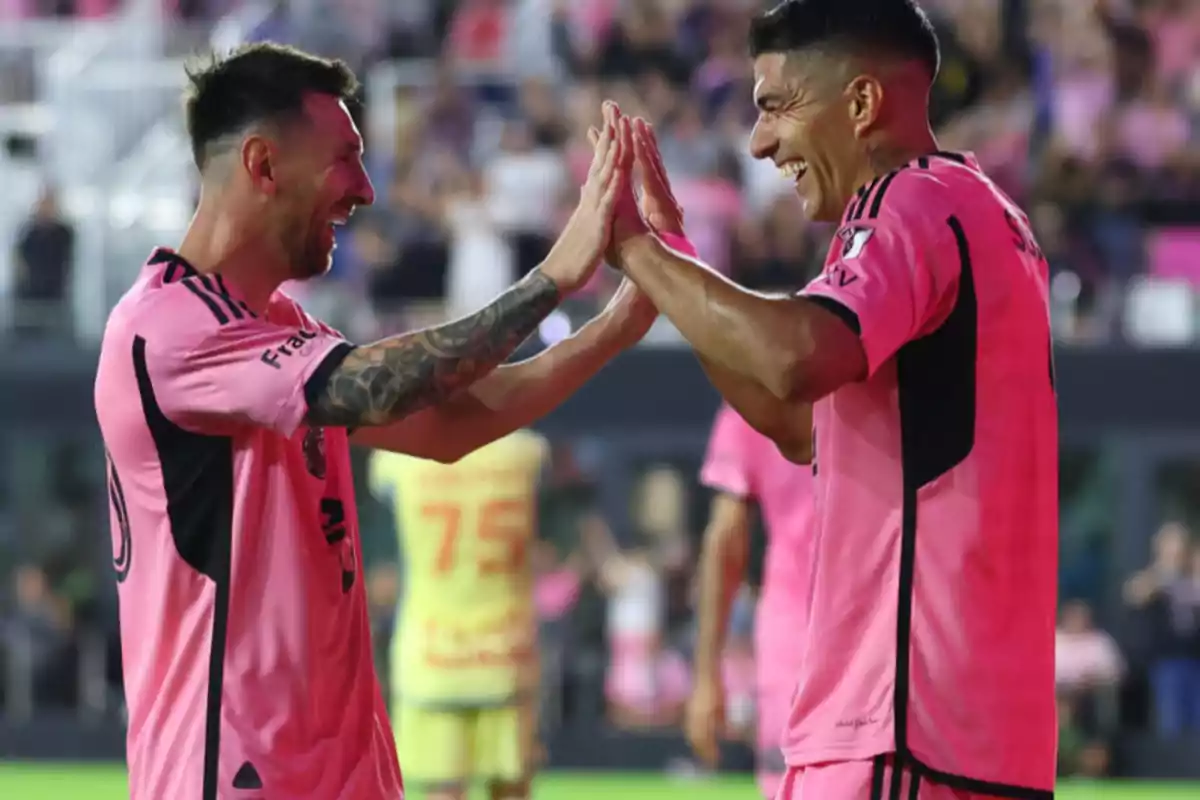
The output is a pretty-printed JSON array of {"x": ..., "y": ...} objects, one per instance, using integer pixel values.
[
  {"x": 964, "y": 158},
  {"x": 176, "y": 268}
]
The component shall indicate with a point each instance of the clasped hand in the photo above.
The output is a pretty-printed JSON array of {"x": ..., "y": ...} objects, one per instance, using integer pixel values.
[{"x": 609, "y": 213}]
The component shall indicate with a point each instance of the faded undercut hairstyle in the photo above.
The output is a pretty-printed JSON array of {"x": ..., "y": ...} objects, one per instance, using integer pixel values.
[
  {"x": 255, "y": 83},
  {"x": 897, "y": 27}
]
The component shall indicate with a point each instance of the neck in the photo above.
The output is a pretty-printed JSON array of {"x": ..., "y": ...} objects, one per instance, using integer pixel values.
[
  {"x": 891, "y": 152},
  {"x": 220, "y": 240}
]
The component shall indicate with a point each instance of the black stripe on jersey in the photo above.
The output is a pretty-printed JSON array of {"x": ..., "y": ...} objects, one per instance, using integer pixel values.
[
  {"x": 848, "y": 214},
  {"x": 952, "y": 156},
  {"x": 196, "y": 288},
  {"x": 857, "y": 207},
  {"x": 877, "y": 201},
  {"x": 897, "y": 784},
  {"x": 177, "y": 266},
  {"x": 211, "y": 286},
  {"x": 936, "y": 379},
  {"x": 973, "y": 786},
  {"x": 914, "y": 785},
  {"x": 197, "y": 476},
  {"x": 878, "y": 768},
  {"x": 923, "y": 162},
  {"x": 226, "y": 293}
]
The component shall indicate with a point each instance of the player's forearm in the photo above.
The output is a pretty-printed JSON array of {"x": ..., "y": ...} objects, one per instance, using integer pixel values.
[
  {"x": 749, "y": 334},
  {"x": 382, "y": 382},
  {"x": 787, "y": 423},
  {"x": 722, "y": 569},
  {"x": 510, "y": 398}
]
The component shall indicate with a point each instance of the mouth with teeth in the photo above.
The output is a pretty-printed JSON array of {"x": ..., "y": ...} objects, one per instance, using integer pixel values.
[{"x": 794, "y": 170}]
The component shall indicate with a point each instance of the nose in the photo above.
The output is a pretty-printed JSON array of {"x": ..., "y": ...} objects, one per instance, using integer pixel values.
[
  {"x": 366, "y": 191},
  {"x": 763, "y": 141}
]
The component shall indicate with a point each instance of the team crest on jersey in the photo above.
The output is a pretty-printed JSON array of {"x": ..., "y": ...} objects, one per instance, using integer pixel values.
[
  {"x": 314, "y": 452},
  {"x": 854, "y": 239}
]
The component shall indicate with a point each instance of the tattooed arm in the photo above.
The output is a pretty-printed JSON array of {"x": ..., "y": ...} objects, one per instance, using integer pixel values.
[
  {"x": 385, "y": 381},
  {"x": 382, "y": 382},
  {"x": 515, "y": 395}
]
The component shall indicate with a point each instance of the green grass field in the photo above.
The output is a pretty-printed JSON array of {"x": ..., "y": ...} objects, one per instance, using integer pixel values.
[{"x": 89, "y": 782}]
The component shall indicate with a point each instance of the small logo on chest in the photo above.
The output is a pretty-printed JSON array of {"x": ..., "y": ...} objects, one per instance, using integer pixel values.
[
  {"x": 314, "y": 452},
  {"x": 854, "y": 239}
]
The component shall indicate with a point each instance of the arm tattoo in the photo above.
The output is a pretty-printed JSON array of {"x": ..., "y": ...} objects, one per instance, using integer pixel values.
[{"x": 382, "y": 382}]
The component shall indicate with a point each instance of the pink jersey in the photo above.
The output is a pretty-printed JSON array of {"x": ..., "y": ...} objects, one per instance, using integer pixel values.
[
  {"x": 743, "y": 462},
  {"x": 931, "y": 631},
  {"x": 247, "y": 652}
]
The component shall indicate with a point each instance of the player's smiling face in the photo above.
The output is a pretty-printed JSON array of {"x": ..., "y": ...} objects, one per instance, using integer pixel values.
[
  {"x": 807, "y": 126},
  {"x": 328, "y": 181}
]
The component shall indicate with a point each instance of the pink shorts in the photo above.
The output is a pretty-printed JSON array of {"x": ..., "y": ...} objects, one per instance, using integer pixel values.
[{"x": 863, "y": 780}]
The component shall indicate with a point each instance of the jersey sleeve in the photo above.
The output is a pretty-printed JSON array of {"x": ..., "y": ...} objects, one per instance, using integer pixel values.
[
  {"x": 896, "y": 275},
  {"x": 726, "y": 465},
  {"x": 210, "y": 371}
]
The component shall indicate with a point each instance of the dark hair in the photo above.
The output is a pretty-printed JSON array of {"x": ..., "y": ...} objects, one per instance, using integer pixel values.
[
  {"x": 257, "y": 82},
  {"x": 895, "y": 26}
]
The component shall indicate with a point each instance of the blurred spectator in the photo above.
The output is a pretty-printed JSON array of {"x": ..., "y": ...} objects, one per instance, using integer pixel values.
[
  {"x": 482, "y": 260},
  {"x": 524, "y": 182},
  {"x": 45, "y": 254},
  {"x": 647, "y": 683},
  {"x": 1088, "y": 670},
  {"x": 38, "y": 636},
  {"x": 1168, "y": 594}
]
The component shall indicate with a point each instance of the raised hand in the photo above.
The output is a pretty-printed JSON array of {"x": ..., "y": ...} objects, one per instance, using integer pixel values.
[
  {"x": 627, "y": 218},
  {"x": 586, "y": 235},
  {"x": 659, "y": 206}
]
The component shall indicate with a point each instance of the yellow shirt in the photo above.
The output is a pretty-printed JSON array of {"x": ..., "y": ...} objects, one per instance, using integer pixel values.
[{"x": 466, "y": 634}]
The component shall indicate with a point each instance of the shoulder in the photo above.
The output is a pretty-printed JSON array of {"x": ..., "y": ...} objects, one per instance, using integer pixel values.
[
  {"x": 913, "y": 206},
  {"x": 909, "y": 193},
  {"x": 287, "y": 308},
  {"x": 183, "y": 317}
]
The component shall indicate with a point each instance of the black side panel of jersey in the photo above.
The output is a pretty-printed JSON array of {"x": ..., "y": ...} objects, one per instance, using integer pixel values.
[
  {"x": 935, "y": 376},
  {"x": 197, "y": 474},
  {"x": 936, "y": 380}
]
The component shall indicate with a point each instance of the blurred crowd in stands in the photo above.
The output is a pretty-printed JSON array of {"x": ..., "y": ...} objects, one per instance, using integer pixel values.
[{"x": 1086, "y": 111}]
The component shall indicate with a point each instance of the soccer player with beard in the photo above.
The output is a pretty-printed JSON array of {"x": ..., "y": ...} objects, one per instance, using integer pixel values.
[
  {"x": 925, "y": 350},
  {"x": 227, "y": 413}
]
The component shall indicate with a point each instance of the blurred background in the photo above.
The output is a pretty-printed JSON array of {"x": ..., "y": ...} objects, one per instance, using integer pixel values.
[{"x": 1087, "y": 112}]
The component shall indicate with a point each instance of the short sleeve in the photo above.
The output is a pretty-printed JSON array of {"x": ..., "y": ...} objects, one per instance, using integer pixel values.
[
  {"x": 894, "y": 277},
  {"x": 243, "y": 371},
  {"x": 726, "y": 465}
]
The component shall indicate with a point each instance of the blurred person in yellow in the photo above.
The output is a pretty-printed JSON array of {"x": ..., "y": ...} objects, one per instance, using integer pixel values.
[{"x": 465, "y": 668}]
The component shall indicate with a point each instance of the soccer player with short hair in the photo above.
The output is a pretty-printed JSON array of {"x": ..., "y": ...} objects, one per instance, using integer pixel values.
[
  {"x": 751, "y": 476},
  {"x": 227, "y": 413},
  {"x": 464, "y": 666},
  {"x": 925, "y": 346}
]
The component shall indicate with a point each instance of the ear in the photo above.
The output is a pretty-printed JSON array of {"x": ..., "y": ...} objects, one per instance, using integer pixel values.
[
  {"x": 258, "y": 160},
  {"x": 864, "y": 94}
]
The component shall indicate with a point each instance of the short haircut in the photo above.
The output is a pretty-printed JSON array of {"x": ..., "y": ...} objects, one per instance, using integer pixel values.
[
  {"x": 261, "y": 82},
  {"x": 897, "y": 27}
]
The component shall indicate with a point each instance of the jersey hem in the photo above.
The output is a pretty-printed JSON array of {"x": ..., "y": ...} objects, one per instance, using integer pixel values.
[{"x": 857, "y": 751}]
